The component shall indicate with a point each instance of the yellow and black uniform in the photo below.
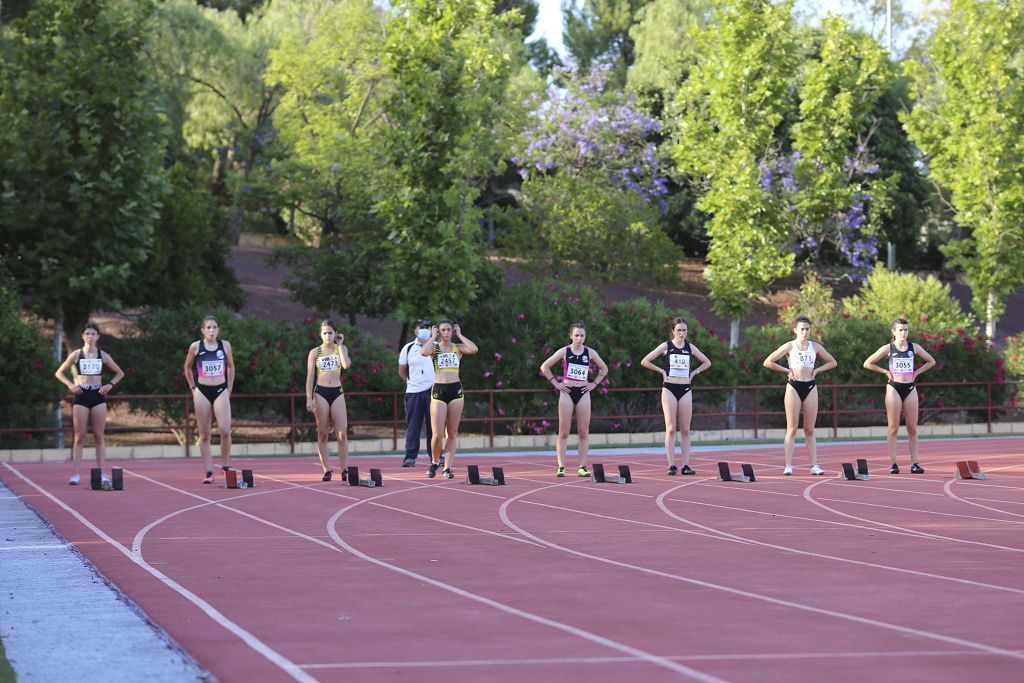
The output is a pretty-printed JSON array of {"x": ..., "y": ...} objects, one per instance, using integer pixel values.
[
  {"x": 446, "y": 364},
  {"x": 328, "y": 364},
  {"x": 89, "y": 367}
]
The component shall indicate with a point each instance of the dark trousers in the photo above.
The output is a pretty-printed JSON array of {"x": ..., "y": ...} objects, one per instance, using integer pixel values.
[{"x": 417, "y": 409}]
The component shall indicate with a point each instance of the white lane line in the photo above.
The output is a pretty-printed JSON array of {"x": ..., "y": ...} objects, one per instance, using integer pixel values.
[
  {"x": 508, "y": 609},
  {"x": 34, "y": 547},
  {"x": 906, "y": 630},
  {"x": 923, "y": 534},
  {"x": 257, "y": 645},
  {"x": 741, "y": 657},
  {"x": 978, "y": 584},
  {"x": 948, "y": 488}
]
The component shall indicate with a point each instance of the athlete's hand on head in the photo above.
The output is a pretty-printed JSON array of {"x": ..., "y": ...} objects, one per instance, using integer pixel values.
[
  {"x": 433, "y": 331},
  {"x": 456, "y": 329},
  {"x": 340, "y": 339}
]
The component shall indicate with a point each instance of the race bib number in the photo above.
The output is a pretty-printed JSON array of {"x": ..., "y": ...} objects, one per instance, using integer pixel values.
[
  {"x": 576, "y": 372},
  {"x": 901, "y": 366},
  {"x": 447, "y": 360},
  {"x": 211, "y": 368},
  {"x": 90, "y": 366},
  {"x": 679, "y": 365},
  {"x": 804, "y": 359},
  {"x": 329, "y": 363}
]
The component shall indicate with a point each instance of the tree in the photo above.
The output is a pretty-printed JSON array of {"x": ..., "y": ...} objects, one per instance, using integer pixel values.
[
  {"x": 330, "y": 122},
  {"x": 598, "y": 32},
  {"x": 725, "y": 117},
  {"x": 448, "y": 75},
  {"x": 80, "y": 151},
  {"x": 968, "y": 119},
  {"x": 664, "y": 44},
  {"x": 593, "y": 184}
]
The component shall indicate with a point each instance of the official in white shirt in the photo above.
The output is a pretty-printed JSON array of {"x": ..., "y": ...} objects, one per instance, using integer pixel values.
[{"x": 417, "y": 371}]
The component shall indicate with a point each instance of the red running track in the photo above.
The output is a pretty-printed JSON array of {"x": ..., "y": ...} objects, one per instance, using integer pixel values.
[{"x": 904, "y": 577}]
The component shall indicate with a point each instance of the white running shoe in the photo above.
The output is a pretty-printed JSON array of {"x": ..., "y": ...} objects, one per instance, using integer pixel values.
[
  {"x": 788, "y": 470},
  {"x": 75, "y": 480},
  {"x": 817, "y": 471}
]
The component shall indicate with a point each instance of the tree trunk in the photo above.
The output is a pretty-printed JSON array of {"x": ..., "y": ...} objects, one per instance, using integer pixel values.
[
  {"x": 990, "y": 318},
  {"x": 402, "y": 335},
  {"x": 734, "y": 341},
  {"x": 58, "y": 353}
]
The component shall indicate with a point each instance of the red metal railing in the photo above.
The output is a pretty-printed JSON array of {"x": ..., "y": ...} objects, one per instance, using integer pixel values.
[{"x": 493, "y": 419}]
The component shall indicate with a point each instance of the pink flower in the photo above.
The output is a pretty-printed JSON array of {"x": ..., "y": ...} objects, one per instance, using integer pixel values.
[
  {"x": 514, "y": 340},
  {"x": 497, "y": 356},
  {"x": 520, "y": 317},
  {"x": 488, "y": 374},
  {"x": 498, "y": 384},
  {"x": 501, "y": 411}
]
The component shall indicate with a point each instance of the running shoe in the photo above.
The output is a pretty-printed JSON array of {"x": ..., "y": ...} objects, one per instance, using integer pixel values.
[
  {"x": 560, "y": 472},
  {"x": 327, "y": 475},
  {"x": 344, "y": 474},
  {"x": 432, "y": 472},
  {"x": 409, "y": 462},
  {"x": 817, "y": 471},
  {"x": 788, "y": 470},
  {"x": 895, "y": 469},
  {"x": 582, "y": 471},
  {"x": 447, "y": 473},
  {"x": 106, "y": 484},
  {"x": 686, "y": 470},
  {"x": 916, "y": 469},
  {"x": 75, "y": 480},
  {"x": 208, "y": 480},
  {"x": 672, "y": 471}
]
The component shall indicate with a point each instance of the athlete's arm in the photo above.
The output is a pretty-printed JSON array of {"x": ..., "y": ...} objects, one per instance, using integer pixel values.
[
  {"x": 545, "y": 369},
  {"x": 190, "y": 360},
  {"x": 310, "y": 377},
  {"x": 229, "y": 365},
  {"x": 772, "y": 361},
  {"x": 872, "y": 361},
  {"x": 705, "y": 362},
  {"x": 428, "y": 346},
  {"x": 602, "y": 369},
  {"x": 346, "y": 361},
  {"x": 830, "y": 361},
  {"x": 648, "y": 361},
  {"x": 466, "y": 345},
  {"x": 118, "y": 373},
  {"x": 61, "y": 373},
  {"x": 929, "y": 362}
]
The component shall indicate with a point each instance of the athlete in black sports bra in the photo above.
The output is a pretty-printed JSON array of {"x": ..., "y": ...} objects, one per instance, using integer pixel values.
[
  {"x": 574, "y": 394},
  {"x": 214, "y": 367},
  {"x": 676, "y": 399},
  {"x": 900, "y": 391},
  {"x": 327, "y": 401},
  {"x": 90, "y": 403},
  {"x": 801, "y": 392}
]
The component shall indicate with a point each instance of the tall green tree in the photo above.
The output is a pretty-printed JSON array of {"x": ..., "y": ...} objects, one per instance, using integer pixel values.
[
  {"x": 448, "y": 76},
  {"x": 725, "y": 117},
  {"x": 664, "y": 43},
  {"x": 598, "y": 32},
  {"x": 968, "y": 119},
  {"x": 80, "y": 155},
  {"x": 330, "y": 122}
]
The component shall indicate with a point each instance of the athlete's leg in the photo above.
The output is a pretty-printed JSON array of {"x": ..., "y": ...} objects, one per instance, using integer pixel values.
[
  {"x": 669, "y": 407},
  {"x": 893, "y": 410},
  {"x": 583, "y": 427}
]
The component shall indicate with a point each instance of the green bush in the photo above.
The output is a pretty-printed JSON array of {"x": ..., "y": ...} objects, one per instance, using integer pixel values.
[
  {"x": 28, "y": 382},
  {"x": 519, "y": 328},
  {"x": 270, "y": 358},
  {"x": 926, "y": 303},
  {"x": 1015, "y": 356},
  {"x": 961, "y": 356}
]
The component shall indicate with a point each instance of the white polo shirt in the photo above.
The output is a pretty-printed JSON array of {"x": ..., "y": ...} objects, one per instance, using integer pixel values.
[{"x": 421, "y": 368}]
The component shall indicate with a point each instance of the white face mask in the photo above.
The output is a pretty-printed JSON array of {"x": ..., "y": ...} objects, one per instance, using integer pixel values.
[{"x": 423, "y": 334}]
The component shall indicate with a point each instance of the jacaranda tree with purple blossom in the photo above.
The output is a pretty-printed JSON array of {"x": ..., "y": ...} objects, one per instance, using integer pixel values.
[{"x": 593, "y": 188}]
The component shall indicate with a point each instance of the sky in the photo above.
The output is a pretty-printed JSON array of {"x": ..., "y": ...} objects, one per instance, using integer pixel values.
[{"x": 549, "y": 20}]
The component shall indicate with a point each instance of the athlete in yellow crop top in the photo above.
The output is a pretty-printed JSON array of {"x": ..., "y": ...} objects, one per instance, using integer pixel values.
[
  {"x": 327, "y": 402},
  {"x": 446, "y": 399}
]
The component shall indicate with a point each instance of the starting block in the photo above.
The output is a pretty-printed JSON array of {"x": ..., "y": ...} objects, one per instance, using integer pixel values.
[
  {"x": 969, "y": 469},
  {"x": 725, "y": 475},
  {"x": 115, "y": 483},
  {"x": 352, "y": 476},
  {"x": 231, "y": 480},
  {"x": 597, "y": 475},
  {"x": 860, "y": 474},
  {"x": 473, "y": 476}
]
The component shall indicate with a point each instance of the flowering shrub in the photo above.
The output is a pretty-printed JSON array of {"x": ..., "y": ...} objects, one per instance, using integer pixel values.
[
  {"x": 1015, "y": 356},
  {"x": 927, "y": 304},
  {"x": 521, "y": 327},
  {"x": 270, "y": 357}
]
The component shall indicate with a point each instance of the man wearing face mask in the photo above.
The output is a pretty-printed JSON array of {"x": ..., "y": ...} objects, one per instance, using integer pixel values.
[{"x": 417, "y": 371}]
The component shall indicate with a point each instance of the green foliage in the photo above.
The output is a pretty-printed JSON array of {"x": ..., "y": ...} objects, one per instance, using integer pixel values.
[
  {"x": 585, "y": 227},
  {"x": 187, "y": 263},
  {"x": 925, "y": 302},
  {"x": 815, "y": 302},
  {"x": 519, "y": 328},
  {"x": 961, "y": 356},
  {"x": 969, "y": 119},
  {"x": 598, "y": 31},
  {"x": 1015, "y": 356},
  {"x": 447, "y": 79},
  {"x": 725, "y": 117},
  {"x": 663, "y": 38},
  {"x": 28, "y": 382},
  {"x": 270, "y": 358},
  {"x": 80, "y": 146}
]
